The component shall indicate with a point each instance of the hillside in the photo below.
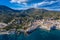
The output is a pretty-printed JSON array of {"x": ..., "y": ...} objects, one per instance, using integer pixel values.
[{"x": 24, "y": 17}]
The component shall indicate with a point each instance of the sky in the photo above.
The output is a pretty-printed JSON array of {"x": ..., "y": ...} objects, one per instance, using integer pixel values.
[{"x": 25, "y": 4}]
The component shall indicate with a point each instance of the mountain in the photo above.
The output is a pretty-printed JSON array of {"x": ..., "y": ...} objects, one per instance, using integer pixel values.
[
  {"x": 22, "y": 18},
  {"x": 7, "y": 10},
  {"x": 4, "y": 8},
  {"x": 8, "y": 13},
  {"x": 30, "y": 10}
]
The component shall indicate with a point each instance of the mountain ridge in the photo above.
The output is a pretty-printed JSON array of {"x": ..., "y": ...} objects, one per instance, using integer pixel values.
[
  {"x": 23, "y": 18},
  {"x": 6, "y": 7}
]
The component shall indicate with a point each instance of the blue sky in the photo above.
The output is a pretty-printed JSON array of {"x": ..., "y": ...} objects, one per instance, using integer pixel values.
[{"x": 25, "y": 4}]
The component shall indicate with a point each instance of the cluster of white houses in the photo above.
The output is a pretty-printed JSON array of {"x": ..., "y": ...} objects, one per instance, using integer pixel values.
[
  {"x": 47, "y": 24},
  {"x": 44, "y": 24}
]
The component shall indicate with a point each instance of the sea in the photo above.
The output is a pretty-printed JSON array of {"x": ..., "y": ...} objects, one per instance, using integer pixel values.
[{"x": 37, "y": 34}]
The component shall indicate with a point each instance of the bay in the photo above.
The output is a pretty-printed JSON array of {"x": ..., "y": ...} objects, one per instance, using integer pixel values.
[{"x": 38, "y": 34}]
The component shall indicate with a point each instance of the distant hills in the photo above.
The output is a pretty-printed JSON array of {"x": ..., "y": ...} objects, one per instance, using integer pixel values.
[
  {"x": 5, "y": 8},
  {"x": 22, "y": 18},
  {"x": 8, "y": 13}
]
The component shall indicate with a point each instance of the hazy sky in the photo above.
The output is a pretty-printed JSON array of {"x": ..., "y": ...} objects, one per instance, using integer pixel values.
[{"x": 24, "y": 4}]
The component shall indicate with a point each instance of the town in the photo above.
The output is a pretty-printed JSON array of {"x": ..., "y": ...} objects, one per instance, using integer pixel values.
[{"x": 47, "y": 24}]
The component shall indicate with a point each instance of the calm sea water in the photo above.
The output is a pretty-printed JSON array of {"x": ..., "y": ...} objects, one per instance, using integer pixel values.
[{"x": 38, "y": 34}]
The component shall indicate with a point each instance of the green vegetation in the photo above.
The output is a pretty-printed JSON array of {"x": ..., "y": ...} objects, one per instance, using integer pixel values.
[{"x": 24, "y": 17}]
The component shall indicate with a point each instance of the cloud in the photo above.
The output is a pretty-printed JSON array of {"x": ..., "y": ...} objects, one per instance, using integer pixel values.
[
  {"x": 19, "y": 1},
  {"x": 25, "y": 3},
  {"x": 44, "y": 3},
  {"x": 52, "y": 9}
]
